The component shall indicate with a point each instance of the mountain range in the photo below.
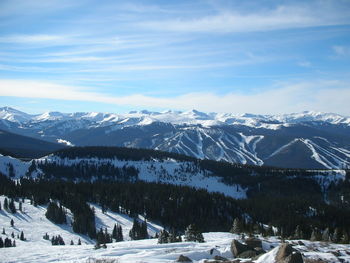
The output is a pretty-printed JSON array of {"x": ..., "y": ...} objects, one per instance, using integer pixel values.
[{"x": 308, "y": 139}]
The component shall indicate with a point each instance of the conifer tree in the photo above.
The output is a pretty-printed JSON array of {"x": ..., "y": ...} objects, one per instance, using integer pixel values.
[
  {"x": 326, "y": 235},
  {"x": 12, "y": 222},
  {"x": 6, "y": 204},
  {"x": 163, "y": 237},
  {"x": 22, "y": 236},
  {"x": 12, "y": 207},
  {"x": 138, "y": 230},
  {"x": 1, "y": 243},
  {"x": 336, "y": 235},
  {"x": 193, "y": 234},
  {"x": 119, "y": 234},
  {"x": 114, "y": 232},
  {"x": 298, "y": 233},
  {"x": 316, "y": 235},
  {"x": 345, "y": 237},
  {"x": 79, "y": 242},
  {"x": 71, "y": 243},
  {"x": 3, "y": 231},
  {"x": 236, "y": 226}
]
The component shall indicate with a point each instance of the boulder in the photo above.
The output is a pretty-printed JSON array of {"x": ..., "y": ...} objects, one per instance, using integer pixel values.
[
  {"x": 295, "y": 257},
  {"x": 183, "y": 258},
  {"x": 259, "y": 251},
  {"x": 220, "y": 258},
  {"x": 253, "y": 242},
  {"x": 284, "y": 251},
  {"x": 238, "y": 248},
  {"x": 247, "y": 254},
  {"x": 287, "y": 254}
]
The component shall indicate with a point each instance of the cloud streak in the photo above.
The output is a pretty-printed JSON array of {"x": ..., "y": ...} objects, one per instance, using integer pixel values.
[
  {"x": 282, "y": 17},
  {"x": 327, "y": 96}
]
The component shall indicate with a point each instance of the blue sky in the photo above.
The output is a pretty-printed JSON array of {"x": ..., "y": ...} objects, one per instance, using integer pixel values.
[{"x": 263, "y": 57}]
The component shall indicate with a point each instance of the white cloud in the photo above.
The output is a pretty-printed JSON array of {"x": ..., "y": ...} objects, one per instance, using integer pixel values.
[
  {"x": 31, "y": 38},
  {"x": 282, "y": 17},
  {"x": 326, "y": 96},
  {"x": 342, "y": 51}
]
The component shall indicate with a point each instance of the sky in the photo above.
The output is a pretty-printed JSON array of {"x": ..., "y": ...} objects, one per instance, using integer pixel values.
[{"x": 256, "y": 56}]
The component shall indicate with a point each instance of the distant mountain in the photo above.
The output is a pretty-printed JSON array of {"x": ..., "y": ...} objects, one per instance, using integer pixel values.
[
  {"x": 297, "y": 140},
  {"x": 25, "y": 147}
]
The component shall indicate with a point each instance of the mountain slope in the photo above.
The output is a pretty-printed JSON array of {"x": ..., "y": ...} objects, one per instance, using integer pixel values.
[
  {"x": 26, "y": 147},
  {"x": 323, "y": 139}
]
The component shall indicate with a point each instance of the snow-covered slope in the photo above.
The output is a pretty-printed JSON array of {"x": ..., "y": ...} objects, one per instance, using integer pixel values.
[
  {"x": 164, "y": 171},
  {"x": 304, "y": 140},
  {"x": 34, "y": 218},
  {"x": 33, "y": 223}
]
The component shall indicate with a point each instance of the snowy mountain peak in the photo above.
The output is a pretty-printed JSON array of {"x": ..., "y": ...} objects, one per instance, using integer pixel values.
[
  {"x": 178, "y": 117},
  {"x": 11, "y": 114}
]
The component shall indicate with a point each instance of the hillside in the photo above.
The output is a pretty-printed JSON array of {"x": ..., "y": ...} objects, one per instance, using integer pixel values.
[
  {"x": 33, "y": 223},
  {"x": 25, "y": 147}
]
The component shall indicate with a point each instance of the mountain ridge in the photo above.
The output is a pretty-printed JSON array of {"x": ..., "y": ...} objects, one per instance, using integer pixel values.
[{"x": 299, "y": 140}]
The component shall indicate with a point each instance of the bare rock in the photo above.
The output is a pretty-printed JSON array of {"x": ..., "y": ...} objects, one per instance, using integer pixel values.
[
  {"x": 183, "y": 258},
  {"x": 220, "y": 258},
  {"x": 287, "y": 254},
  {"x": 253, "y": 242},
  {"x": 238, "y": 248},
  {"x": 247, "y": 254}
]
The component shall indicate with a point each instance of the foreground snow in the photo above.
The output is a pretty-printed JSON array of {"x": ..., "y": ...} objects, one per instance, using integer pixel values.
[{"x": 35, "y": 249}]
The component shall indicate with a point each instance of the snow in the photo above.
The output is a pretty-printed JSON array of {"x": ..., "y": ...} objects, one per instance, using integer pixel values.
[
  {"x": 192, "y": 117},
  {"x": 65, "y": 142},
  {"x": 165, "y": 171},
  {"x": 33, "y": 223},
  {"x": 19, "y": 167}
]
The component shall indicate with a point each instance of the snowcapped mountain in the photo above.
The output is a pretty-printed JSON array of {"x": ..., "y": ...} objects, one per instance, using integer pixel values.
[{"x": 304, "y": 140}]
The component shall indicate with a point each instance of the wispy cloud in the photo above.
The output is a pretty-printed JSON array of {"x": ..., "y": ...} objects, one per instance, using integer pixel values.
[
  {"x": 31, "y": 38},
  {"x": 282, "y": 17},
  {"x": 342, "y": 51},
  {"x": 327, "y": 95}
]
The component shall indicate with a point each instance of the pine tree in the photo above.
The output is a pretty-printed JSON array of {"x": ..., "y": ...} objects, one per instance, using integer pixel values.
[
  {"x": 71, "y": 243},
  {"x": 345, "y": 237},
  {"x": 336, "y": 235},
  {"x": 114, "y": 232},
  {"x": 1, "y": 243},
  {"x": 14, "y": 243},
  {"x": 12, "y": 207},
  {"x": 138, "y": 230},
  {"x": 22, "y": 236},
  {"x": 12, "y": 222},
  {"x": 316, "y": 235},
  {"x": 193, "y": 234},
  {"x": 11, "y": 170},
  {"x": 79, "y": 242},
  {"x": 298, "y": 233},
  {"x": 119, "y": 234},
  {"x": 20, "y": 206},
  {"x": 326, "y": 235},
  {"x": 46, "y": 237},
  {"x": 163, "y": 237},
  {"x": 236, "y": 226},
  {"x": 6, "y": 204},
  {"x": 3, "y": 231},
  {"x": 0, "y": 206}
]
